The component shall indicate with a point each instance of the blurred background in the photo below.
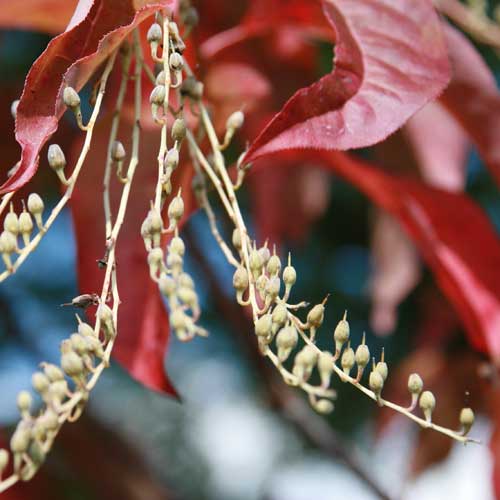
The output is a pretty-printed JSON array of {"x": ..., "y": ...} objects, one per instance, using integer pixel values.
[{"x": 239, "y": 433}]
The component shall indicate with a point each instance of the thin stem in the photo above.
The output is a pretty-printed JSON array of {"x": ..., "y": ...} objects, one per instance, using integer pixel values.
[
  {"x": 112, "y": 137},
  {"x": 163, "y": 136},
  {"x": 205, "y": 204},
  {"x": 5, "y": 201}
]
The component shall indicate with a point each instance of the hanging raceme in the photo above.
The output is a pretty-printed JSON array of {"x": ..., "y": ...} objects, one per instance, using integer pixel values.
[{"x": 261, "y": 280}]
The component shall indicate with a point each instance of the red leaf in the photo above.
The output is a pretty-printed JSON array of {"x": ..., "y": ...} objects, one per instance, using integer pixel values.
[
  {"x": 48, "y": 16},
  {"x": 396, "y": 271},
  {"x": 143, "y": 326},
  {"x": 440, "y": 146},
  {"x": 270, "y": 16},
  {"x": 384, "y": 72},
  {"x": 71, "y": 57},
  {"x": 454, "y": 236},
  {"x": 473, "y": 98}
]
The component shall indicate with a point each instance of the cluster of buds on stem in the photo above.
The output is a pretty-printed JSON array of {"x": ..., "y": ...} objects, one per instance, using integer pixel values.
[
  {"x": 259, "y": 286},
  {"x": 19, "y": 228},
  {"x": 63, "y": 391},
  {"x": 175, "y": 284}
]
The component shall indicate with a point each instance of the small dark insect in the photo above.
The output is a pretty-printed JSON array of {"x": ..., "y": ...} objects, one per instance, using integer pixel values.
[{"x": 84, "y": 301}]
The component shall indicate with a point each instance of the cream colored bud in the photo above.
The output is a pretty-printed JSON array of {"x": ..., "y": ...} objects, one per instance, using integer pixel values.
[
  {"x": 376, "y": 382},
  {"x": 35, "y": 204},
  {"x": 308, "y": 356},
  {"x": 263, "y": 326},
  {"x": 178, "y": 319},
  {"x": 55, "y": 157},
  {"x": 235, "y": 120},
  {"x": 58, "y": 390},
  {"x": 273, "y": 286},
  {"x": 4, "y": 459},
  {"x": 316, "y": 315},
  {"x": 176, "y": 209},
  {"x": 20, "y": 440},
  {"x": 157, "y": 96},
  {"x": 155, "y": 257},
  {"x": 71, "y": 98},
  {"x": 280, "y": 315},
  {"x": 24, "y": 401},
  {"x": 94, "y": 345},
  {"x": 172, "y": 159},
  {"x": 175, "y": 262},
  {"x": 341, "y": 334},
  {"x": 174, "y": 30},
  {"x": 382, "y": 369},
  {"x": 286, "y": 340},
  {"x": 427, "y": 404},
  {"x": 236, "y": 239},
  {"x": 155, "y": 33},
  {"x": 8, "y": 242},
  {"x": 289, "y": 276},
  {"x": 79, "y": 343},
  {"x": 273, "y": 267},
  {"x": 53, "y": 372},
  {"x": 40, "y": 382},
  {"x": 155, "y": 221},
  {"x": 39, "y": 430},
  {"x": 304, "y": 362},
  {"x": 261, "y": 284},
  {"x": 118, "y": 151},
  {"x": 324, "y": 406},
  {"x": 240, "y": 279},
  {"x": 25, "y": 226},
  {"x": 178, "y": 130},
  {"x": 175, "y": 61},
  {"x": 177, "y": 246},
  {"x": 256, "y": 263},
  {"x": 325, "y": 367},
  {"x": 105, "y": 315},
  {"x": 167, "y": 286},
  {"x": 185, "y": 280},
  {"x": 85, "y": 329},
  {"x": 50, "y": 419},
  {"x": 362, "y": 356},
  {"x": 265, "y": 255},
  {"x": 72, "y": 364},
  {"x": 466, "y": 420},
  {"x": 188, "y": 296},
  {"x": 415, "y": 383},
  {"x": 160, "y": 78},
  {"x": 348, "y": 360},
  {"x": 36, "y": 452},
  {"x": 11, "y": 223}
]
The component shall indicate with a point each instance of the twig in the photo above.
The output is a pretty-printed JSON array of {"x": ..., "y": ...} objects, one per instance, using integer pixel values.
[
  {"x": 284, "y": 400},
  {"x": 112, "y": 137}
]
